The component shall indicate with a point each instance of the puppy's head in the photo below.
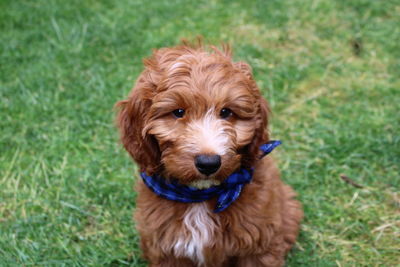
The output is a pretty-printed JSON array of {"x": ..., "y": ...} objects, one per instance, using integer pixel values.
[{"x": 194, "y": 116}]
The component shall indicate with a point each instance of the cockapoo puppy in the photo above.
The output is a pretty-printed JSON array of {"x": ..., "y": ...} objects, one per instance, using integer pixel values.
[{"x": 196, "y": 124}]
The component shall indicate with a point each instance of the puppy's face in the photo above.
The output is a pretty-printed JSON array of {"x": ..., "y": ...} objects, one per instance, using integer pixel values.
[{"x": 200, "y": 114}]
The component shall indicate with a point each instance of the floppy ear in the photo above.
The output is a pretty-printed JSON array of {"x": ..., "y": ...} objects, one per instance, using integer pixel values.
[
  {"x": 252, "y": 151},
  {"x": 131, "y": 120}
]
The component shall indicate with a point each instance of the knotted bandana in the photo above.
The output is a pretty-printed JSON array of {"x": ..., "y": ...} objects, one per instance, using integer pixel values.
[{"x": 227, "y": 192}]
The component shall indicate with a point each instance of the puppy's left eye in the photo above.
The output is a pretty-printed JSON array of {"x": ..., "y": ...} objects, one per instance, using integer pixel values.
[{"x": 225, "y": 113}]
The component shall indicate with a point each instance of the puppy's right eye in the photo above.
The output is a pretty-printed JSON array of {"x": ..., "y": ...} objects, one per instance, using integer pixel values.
[{"x": 179, "y": 113}]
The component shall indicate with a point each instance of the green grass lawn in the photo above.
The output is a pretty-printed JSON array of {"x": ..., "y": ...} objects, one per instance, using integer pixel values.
[{"x": 330, "y": 70}]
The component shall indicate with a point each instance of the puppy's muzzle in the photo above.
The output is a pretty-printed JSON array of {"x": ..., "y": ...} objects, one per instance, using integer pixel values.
[{"x": 207, "y": 164}]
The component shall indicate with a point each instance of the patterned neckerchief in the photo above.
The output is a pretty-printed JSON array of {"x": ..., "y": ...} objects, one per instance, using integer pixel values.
[{"x": 227, "y": 192}]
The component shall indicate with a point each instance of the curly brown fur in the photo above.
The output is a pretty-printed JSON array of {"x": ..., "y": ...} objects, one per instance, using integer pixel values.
[{"x": 260, "y": 227}]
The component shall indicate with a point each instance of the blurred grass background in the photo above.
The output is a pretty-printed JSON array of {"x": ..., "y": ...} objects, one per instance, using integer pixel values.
[{"x": 330, "y": 70}]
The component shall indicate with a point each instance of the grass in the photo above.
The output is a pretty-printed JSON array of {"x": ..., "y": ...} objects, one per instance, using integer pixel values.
[{"x": 330, "y": 70}]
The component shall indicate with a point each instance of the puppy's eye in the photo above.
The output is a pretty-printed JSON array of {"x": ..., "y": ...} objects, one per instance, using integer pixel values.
[
  {"x": 225, "y": 113},
  {"x": 179, "y": 113}
]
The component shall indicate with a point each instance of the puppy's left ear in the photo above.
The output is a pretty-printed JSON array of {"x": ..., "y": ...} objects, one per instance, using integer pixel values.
[
  {"x": 262, "y": 129},
  {"x": 261, "y": 136}
]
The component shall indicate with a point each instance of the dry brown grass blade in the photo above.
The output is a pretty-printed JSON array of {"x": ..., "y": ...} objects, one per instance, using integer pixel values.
[{"x": 349, "y": 181}]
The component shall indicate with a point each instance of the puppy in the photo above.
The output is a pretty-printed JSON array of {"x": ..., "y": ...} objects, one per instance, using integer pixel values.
[{"x": 196, "y": 124}]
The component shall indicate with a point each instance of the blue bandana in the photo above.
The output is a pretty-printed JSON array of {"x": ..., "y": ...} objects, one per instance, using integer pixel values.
[{"x": 227, "y": 192}]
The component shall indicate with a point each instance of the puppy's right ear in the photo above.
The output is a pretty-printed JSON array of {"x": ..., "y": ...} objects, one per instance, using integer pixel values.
[{"x": 131, "y": 119}]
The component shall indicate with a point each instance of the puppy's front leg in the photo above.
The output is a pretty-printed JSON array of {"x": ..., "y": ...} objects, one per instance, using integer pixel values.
[
  {"x": 173, "y": 262},
  {"x": 263, "y": 260}
]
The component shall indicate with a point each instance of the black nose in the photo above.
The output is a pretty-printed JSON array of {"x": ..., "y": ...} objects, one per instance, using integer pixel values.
[{"x": 207, "y": 164}]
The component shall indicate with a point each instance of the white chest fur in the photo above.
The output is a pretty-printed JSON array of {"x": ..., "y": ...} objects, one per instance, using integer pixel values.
[{"x": 197, "y": 233}]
